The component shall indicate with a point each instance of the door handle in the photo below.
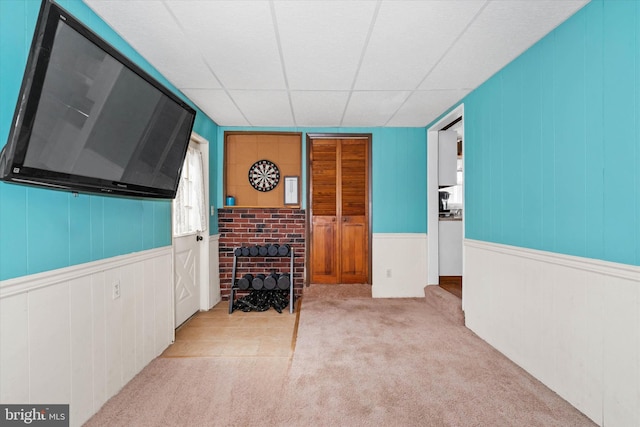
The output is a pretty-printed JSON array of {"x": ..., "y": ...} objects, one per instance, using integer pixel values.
[{"x": 199, "y": 238}]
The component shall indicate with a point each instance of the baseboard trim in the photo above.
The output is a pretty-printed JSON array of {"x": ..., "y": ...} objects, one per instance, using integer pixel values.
[{"x": 20, "y": 285}]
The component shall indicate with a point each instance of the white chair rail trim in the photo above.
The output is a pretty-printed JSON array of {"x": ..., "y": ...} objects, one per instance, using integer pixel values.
[
  {"x": 623, "y": 271},
  {"x": 31, "y": 282}
]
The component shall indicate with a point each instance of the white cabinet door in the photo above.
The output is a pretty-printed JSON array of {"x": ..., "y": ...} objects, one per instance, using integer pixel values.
[
  {"x": 447, "y": 158},
  {"x": 450, "y": 248}
]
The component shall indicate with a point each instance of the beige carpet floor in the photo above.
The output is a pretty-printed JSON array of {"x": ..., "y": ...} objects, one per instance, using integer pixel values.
[
  {"x": 340, "y": 291},
  {"x": 357, "y": 362}
]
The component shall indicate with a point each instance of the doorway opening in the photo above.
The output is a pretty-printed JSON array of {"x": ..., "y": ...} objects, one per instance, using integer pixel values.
[{"x": 445, "y": 140}]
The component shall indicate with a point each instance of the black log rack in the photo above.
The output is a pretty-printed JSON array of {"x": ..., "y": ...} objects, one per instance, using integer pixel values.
[{"x": 278, "y": 287}]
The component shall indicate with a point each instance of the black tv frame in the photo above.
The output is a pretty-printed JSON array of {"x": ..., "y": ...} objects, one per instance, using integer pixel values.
[{"x": 13, "y": 154}]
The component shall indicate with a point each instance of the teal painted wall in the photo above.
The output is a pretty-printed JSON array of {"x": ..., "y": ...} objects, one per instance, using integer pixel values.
[
  {"x": 552, "y": 141},
  {"x": 42, "y": 230},
  {"x": 399, "y": 174}
]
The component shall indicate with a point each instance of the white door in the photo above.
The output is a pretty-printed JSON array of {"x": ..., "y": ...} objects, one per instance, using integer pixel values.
[{"x": 189, "y": 223}]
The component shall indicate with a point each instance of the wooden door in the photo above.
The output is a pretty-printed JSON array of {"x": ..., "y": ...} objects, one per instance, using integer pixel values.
[
  {"x": 354, "y": 204},
  {"x": 339, "y": 249}
]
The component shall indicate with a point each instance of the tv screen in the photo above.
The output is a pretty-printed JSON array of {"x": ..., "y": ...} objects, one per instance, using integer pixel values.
[{"x": 90, "y": 120}]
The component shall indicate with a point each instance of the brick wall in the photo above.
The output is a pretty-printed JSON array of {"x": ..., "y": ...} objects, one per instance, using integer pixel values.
[{"x": 258, "y": 226}]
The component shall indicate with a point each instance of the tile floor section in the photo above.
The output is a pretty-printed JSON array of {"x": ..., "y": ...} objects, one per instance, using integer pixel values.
[{"x": 216, "y": 333}]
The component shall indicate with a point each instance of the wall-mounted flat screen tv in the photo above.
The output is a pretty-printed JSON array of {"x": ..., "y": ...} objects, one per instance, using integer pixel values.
[{"x": 90, "y": 120}]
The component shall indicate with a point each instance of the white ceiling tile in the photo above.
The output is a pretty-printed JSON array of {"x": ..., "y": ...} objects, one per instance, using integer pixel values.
[
  {"x": 264, "y": 108},
  {"x": 237, "y": 40},
  {"x": 322, "y": 41},
  {"x": 368, "y": 108},
  {"x": 158, "y": 39},
  {"x": 408, "y": 39},
  {"x": 218, "y": 106},
  {"x": 314, "y": 108},
  {"x": 382, "y": 49},
  {"x": 422, "y": 107},
  {"x": 503, "y": 31}
]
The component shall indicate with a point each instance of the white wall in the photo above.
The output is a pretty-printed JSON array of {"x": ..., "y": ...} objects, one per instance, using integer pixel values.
[
  {"x": 399, "y": 265},
  {"x": 573, "y": 323},
  {"x": 64, "y": 339}
]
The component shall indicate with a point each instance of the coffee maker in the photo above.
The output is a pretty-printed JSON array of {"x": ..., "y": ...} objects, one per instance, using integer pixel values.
[{"x": 443, "y": 197}]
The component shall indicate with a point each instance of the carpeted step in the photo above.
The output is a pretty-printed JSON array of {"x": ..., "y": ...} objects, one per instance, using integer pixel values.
[
  {"x": 339, "y": 291},
  {"x": 445, "y": 302}
]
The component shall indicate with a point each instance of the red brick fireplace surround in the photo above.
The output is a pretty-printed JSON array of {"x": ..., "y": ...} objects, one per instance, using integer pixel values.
[{"x": 258, "y": 226}]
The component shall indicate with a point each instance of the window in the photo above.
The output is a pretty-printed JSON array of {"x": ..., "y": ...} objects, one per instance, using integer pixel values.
[
  {"x": 455, "y": 199},
  {"x": 188, "y": 207}
]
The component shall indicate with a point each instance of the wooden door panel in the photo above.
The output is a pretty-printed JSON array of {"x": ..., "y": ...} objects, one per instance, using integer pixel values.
[
  {"x": 354, "y": 233},
  {"x": 355, "y": 250},
  {"x": 324, "y": 249},
  {"x": 324, "y": 234},
  {"x": 354, "y": 187},
  {"x": 324, "y": 178}
]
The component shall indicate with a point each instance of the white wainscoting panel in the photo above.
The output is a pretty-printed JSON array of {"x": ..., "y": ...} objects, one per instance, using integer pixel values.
[
  {"x": 49, "y": 345},
  {"x": 99, "y": 353},
  {"x": 65, "y": 339},
  {"x": 82, "y": 345},
  {"x": 399, "y": 265},
  {"x": 214, "y": 271},
  {"x": 14, "y": 339},
  {"x": 573, "y": 323}
]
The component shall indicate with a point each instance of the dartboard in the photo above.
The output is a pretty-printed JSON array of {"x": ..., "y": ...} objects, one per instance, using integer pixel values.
[{"x": 264, "y": 175}]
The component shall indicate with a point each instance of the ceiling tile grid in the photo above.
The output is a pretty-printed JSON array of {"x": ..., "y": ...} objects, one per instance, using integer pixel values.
[
  {"x": 236, "y": 38},
  {"x": 319, "y": 108},
  {"x": 322, "y": 42},
  {"x": 503, "y": 30},
  {"x": 360, "y": 63},
  {"x": 371, "y": 108},
  {"x": 424, "y": 106},
  {"x": 263, "y": 108},
  {"x": 408, "y": 40},
  {"x": 159, "y": 40},
  {"x": 218, "y": 105}
]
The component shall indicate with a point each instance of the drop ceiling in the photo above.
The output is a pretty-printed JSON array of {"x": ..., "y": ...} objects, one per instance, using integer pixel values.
[{"x": 330, "y": 63}]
